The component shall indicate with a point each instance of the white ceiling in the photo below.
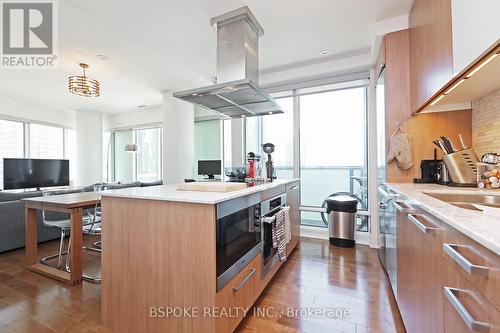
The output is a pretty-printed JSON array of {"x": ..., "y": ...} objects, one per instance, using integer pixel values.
[{"x": 158, "y": 45}]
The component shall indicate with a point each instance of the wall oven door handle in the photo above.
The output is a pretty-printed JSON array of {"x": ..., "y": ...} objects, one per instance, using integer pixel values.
[
  {"x": 245, "y": 280},
  {"x": 472, "y": 324},
  {"x": 451, "y": 251}
]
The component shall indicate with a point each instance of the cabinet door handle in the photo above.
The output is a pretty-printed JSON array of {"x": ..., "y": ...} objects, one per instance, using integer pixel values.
[
  {"x": 245, "y": 280},
  {"x": 294, "y": 187},
  {"x": 404, "y": 210},
  {"x": 472, "y": 324},
  {"x": 451, "y": 251},
  {"x": 418, "y": 224}
]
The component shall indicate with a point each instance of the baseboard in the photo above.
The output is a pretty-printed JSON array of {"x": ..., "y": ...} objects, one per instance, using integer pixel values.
[{"x": 322, "y": 233}]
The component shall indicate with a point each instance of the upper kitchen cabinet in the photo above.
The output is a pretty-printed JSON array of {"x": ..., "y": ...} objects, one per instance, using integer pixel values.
[
  {"x": 476, "y": 80},
  {"x": 431, "y": 50},
  {"x": 475, "y": 27},
  {"x": 447, "y": 37}
]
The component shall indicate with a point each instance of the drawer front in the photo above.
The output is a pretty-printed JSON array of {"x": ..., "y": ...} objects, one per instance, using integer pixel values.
[
  {"x": 268, "y": 194},
  {"x": 475, "y": 263},
  {"x": 465, "y": 309},
  {"x": 240, "y": 293}
]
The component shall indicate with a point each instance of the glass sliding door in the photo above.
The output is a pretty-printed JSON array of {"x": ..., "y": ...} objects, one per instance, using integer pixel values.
[
  {"x": 124, "y": 162},
  {"x": 332, "y": 148},
  {"x": 145, "y": 165},
  {"x": 149, "y": 155}
]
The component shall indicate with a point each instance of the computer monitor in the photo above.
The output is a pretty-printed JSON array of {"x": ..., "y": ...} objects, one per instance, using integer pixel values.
[{"x": 209, "y": 168}]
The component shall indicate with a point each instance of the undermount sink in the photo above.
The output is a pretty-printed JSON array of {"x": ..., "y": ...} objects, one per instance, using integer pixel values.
[{"x": 467, "y": 200}]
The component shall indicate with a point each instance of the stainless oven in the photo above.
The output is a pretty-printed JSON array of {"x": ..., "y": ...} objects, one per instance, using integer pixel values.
[
  {"x": 267, "y": 210},
  {"x": 238, "y": 234}
]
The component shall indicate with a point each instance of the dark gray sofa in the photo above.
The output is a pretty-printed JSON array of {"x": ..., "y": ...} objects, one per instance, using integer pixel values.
[{"x": 12, "y": 216}]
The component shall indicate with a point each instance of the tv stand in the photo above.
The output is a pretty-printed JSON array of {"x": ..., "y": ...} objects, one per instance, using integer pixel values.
[{"x": 210, "y": 177}]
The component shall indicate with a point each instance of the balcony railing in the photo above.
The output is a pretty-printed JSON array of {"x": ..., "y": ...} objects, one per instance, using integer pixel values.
[{"x": 319, "y": 182}]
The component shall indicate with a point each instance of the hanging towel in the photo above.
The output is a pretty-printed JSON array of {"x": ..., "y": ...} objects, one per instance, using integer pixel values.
[
  {"x": 401, "y": 149},
  {"x": 279, "y": 234},
  {"x": 288, "y": 224}
]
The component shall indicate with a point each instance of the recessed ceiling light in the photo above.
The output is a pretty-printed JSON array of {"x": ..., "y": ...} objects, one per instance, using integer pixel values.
[
  {"x": 102, "y": 57},
  {"x": 324, "y": 52}
]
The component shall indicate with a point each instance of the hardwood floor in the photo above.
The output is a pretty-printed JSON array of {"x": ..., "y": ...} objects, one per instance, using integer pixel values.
[{"x": 316, "y": 276}]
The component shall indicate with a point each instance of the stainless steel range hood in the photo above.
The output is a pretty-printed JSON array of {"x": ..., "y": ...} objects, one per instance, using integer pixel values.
[{"x": 236, "y": 93}]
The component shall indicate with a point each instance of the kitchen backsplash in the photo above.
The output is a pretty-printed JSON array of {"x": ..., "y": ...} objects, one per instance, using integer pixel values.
[{"x": 486, "y": 124}]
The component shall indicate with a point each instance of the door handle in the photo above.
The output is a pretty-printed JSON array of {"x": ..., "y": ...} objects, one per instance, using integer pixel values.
[
  {"x": 404, "y": 210},
  {"x": 245, "y": 280},
  {"x": 450, "y": 250},
  {"x": 472, "y": 324},
  {"x": 294, "y": 187},
  {"x": 422, "y": 227}
]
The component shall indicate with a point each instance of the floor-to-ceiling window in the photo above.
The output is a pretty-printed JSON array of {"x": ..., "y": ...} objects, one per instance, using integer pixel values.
[
  {"x": 278, "y": 130},
  {"x": 20, "y": 139},
  {"x": 46, "y": 141},
  {"x": 143, "y": 165},
  {"x": 332, "y": 150},
  {"x": 11, "y": 142}
]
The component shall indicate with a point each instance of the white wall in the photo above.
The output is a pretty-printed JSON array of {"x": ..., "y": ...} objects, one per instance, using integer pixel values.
[
  {"x": 476, "y": 27},
  {"x": 137, "y": 118},
  {"x": 88, "y": 147},
  {"x": 18, "y": 109},
  {"x": 178, "y": 139}
]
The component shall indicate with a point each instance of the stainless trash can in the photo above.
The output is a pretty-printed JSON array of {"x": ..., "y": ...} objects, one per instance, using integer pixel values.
[{"x": 341, "y": 210}]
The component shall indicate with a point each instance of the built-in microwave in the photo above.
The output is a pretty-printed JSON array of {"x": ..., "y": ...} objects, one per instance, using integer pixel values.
[{"x": 238, "y": 236}]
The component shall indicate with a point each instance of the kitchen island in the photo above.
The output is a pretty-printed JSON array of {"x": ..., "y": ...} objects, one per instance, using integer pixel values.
[{"x": 160, "y": 263}]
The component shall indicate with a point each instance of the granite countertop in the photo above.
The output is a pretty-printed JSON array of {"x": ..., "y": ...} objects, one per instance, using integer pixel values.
[
  {"x": 170, "y": 193},
  {"x": 484, "y": 229}
]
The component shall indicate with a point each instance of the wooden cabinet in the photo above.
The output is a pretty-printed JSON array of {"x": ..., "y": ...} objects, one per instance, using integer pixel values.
[
  {"x": 293, "y": 201},
  {"x": 446, "y": 281},
  {"x": 240, "y": 293},
  {"x": 478, "y": 265},
  {"x": 431, "y": 54},
  {"x": 465, "y": 308},
  {"x": 419, "y": 270}
]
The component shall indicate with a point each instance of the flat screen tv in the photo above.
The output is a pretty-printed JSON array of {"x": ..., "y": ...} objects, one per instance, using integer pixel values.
[{"x": 22, "y": 173}]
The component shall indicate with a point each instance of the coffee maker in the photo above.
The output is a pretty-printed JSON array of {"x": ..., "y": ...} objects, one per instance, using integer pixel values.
[{"x": 268, "y": 148}]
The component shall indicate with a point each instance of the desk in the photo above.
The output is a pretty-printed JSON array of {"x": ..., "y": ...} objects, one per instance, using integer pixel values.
[{"x": 72, "y": 204}]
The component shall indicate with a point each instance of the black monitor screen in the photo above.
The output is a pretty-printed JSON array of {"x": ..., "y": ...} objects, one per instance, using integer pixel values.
[
  {"x": 209, "y": 168},
  {"x": 20, "y": 173}
]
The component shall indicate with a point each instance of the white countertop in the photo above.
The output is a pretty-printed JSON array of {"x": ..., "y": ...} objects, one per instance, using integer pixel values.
[
  {"x": 170, "y": 193},
  {"x": 484, "y": 229}
]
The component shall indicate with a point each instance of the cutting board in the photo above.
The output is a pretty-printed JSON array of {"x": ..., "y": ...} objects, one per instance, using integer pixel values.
[{"x": 211, "y": 187}]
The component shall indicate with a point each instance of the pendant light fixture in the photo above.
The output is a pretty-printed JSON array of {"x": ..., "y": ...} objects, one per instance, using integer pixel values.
[{"x": 84, "y": 86}]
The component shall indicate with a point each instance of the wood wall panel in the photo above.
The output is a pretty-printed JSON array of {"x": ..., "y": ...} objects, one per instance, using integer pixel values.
[
  {"x": 431, "y": 50},
  {"x": 424, "y": 128}
]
